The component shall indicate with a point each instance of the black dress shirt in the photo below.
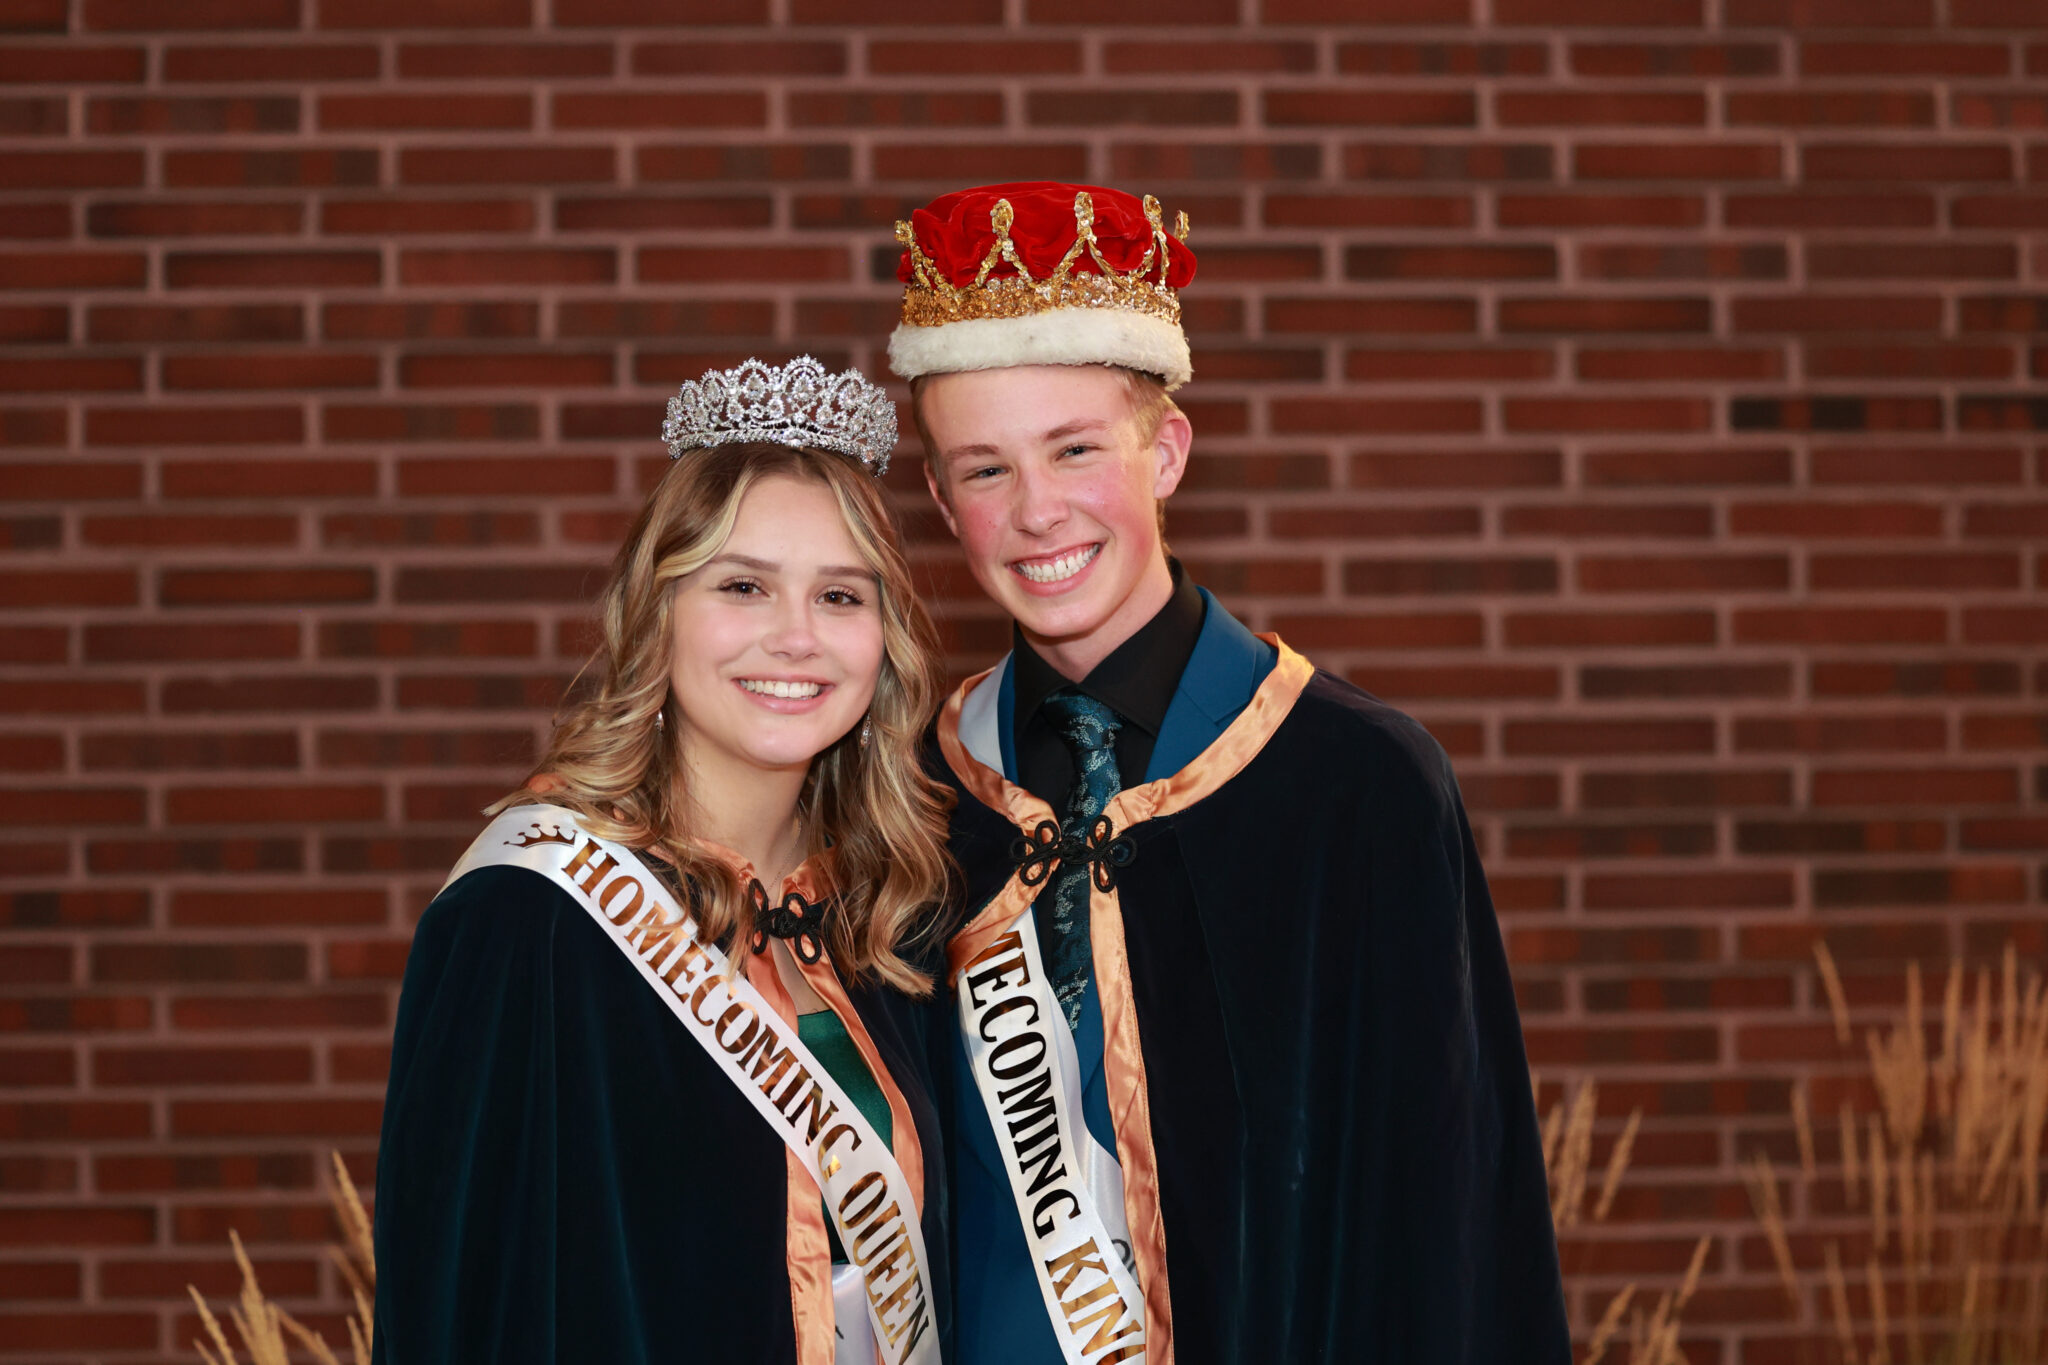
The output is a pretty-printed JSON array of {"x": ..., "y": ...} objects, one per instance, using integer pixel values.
[{"x": 1137, "y": 679}]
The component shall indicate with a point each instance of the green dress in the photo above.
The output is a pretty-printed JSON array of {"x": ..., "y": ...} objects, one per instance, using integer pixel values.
[{"x": 825, "y": 1035}]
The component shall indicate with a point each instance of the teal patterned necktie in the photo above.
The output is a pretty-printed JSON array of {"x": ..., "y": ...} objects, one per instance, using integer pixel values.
[{"x": 1061, "y": 912}]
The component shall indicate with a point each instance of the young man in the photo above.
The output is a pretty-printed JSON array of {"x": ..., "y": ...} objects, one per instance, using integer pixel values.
[{"x": 1238, "y": 1075}]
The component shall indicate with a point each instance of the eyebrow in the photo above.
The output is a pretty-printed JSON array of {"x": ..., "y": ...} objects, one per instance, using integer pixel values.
[
  {"x": 1058, "y": 433},
  {"x": 770, "y": 567}
]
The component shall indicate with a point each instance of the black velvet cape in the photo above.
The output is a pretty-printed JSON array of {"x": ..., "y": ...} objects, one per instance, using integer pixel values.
[
  {"x": 565, "y": 1176},
  {"x": 1350, "y": 1166}
]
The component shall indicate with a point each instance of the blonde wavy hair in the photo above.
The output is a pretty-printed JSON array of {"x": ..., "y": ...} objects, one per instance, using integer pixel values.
[{"x": 876, "y": 808}]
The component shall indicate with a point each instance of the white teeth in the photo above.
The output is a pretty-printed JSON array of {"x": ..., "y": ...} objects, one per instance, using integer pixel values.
[
  {"x": 1066, "y": 566},
  {"x": 770, "y": 688}
]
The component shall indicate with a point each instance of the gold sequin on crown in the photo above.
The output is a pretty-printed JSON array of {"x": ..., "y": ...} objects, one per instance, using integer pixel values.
[{"x": 931, "y": 300}]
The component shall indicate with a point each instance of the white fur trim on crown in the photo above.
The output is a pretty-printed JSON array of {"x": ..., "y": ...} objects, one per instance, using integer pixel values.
[{"x": 1063, "y": 336}]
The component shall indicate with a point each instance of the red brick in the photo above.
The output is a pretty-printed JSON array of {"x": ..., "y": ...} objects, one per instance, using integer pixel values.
[
  {"x": 271, "y": 168},
  {"x": 30, "y": 374},
  {"x": 271, "y": 269},
  {"x": 1552, "y": 314},
  {"x": 295, "y": 62},
  {"x": 1420, "y": 261},
  {"x": 1094, "y": 107},
  {"x": 1836, "y": 313},
  {"x": 1840, "y": 625},
  {"x": 1398, "y": 316},
  {"x": 1664, "y": 364},
  {"x": 344, "y": 113},
  {"x": 533, "y": 265},
  {"x": 455, "y": 321},
  {"x": 159, "y": 15},
  {"x": 1405, "y": 365},
  {"x": 657, "y": 13},
  {"x": 748, "y": 161},
  {"x": 1358, "y": 210},
  {"x": 401, "y": 14},
  {"x": 152, "y": 642},
  {"x": 1575, "y": 109},
  {"x": 75, "y": 63},
  {"x": 1829, "y": 108},
  {"x": 1169, "y": 55},
  {"x": 1391, "y": 12},
  {"x": 1957, "y": 261},
  {"x": 1355, "y": 108},
  {"x": 710, "y": 56},
  {"x": 1803, "y": 210},
  {"x": 666, "y": 265},
  {"x": 921, "y": 12},
  {"x": 529, "y": 165},
  {"x": 995, "y": 162},
  {"x": 121, "y": 114},
  {"x": 502, "y": 368},
  {"x": 384, "y": 217},
  {"x": 1608, "y": 414},
  {"x": 70, "y": 170},
  {"x": 1637, "y": 59},
  {"x": 269, "y": 372},
  {"x": 159, "y": 425},
  {"x": 1920, "y": 58},
  {"x": 1677, "y": 161},
  {"x": 194, "y": 219},
  {"x": 1906, "y": 162},
  {"x": 658, "y": 109}
]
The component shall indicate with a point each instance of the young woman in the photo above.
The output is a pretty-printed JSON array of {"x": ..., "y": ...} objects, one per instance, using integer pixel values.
[{"x": 658, "y": 1090}]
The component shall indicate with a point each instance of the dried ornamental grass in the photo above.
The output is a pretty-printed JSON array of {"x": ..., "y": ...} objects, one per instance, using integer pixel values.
[
  {"x": 1567, "y": 1158},
  {"x": 1946, "y": 1188},
  {"x": 264, "y": 1327}
]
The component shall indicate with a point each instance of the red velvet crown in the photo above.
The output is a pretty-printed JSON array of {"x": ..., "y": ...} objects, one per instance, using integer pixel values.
[
  {"x": 1042, "y": 273},
  {"x": 957, "y": 232}
]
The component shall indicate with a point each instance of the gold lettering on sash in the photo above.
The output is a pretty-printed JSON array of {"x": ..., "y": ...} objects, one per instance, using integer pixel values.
[
  {"x": 881, "y": 1192},
  {"x": 738, "y": 1009},
  {"x": 811, "y": 1109},
  {"x": 589, "y": 872},
  {"x": 625, "y": 881},
  {"x": 769, "y": 1060},
  {"x": 1068, "y": 1265},
  {"x": 697, "y": 1000},
  {"x": 832, "y": 1135},
  {"x": 1112, "y": 1321}
]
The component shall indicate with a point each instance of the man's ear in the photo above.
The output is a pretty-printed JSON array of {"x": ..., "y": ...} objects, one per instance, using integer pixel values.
[
  {"x": 1170, "y": 447},
  {"x": 931, "y": 482}
]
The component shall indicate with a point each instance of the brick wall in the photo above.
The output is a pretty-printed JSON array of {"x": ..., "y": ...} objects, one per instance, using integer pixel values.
[{"x": 1641, "y": 391}]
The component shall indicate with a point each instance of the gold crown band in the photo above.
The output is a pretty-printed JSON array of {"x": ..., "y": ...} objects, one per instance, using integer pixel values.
[{"x": 930, "y": 300}]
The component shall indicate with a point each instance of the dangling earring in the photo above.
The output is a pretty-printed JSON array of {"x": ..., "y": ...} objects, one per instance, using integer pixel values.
[
  {"x": 867, "y": 729},
  {"x": 659, "y": 723}
]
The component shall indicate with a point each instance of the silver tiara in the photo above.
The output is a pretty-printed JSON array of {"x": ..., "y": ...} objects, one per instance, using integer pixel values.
[{"x": 797, "y": 404}]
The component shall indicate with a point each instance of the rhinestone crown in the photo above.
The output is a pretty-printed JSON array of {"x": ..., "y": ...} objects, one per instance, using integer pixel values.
[{"x": 797, "y": 404}]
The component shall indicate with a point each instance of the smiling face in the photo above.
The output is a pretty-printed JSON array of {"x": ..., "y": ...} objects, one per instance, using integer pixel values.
[
  {"x": 777, "y": 638},
  {"x": 1048, "y": 478}
]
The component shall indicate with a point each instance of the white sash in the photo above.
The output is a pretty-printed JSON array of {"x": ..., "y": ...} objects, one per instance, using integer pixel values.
[
  {"x": 1069, "y": 1191},
  {"x": 865, "y": 1192}
]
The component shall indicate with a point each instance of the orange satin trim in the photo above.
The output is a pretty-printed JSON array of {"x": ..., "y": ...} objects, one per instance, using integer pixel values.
[
  {"x": 807, "y": 1253},
  {"x": 1123, "y": 1057}
]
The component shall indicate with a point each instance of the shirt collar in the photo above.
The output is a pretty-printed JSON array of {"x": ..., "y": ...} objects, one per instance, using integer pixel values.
[{"x": 1139, "y": 677}]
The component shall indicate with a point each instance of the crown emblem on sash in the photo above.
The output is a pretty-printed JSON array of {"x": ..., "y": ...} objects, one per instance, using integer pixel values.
[
  {"x": 797, "y": 404},
  {"x": 541, "y": 834}
]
